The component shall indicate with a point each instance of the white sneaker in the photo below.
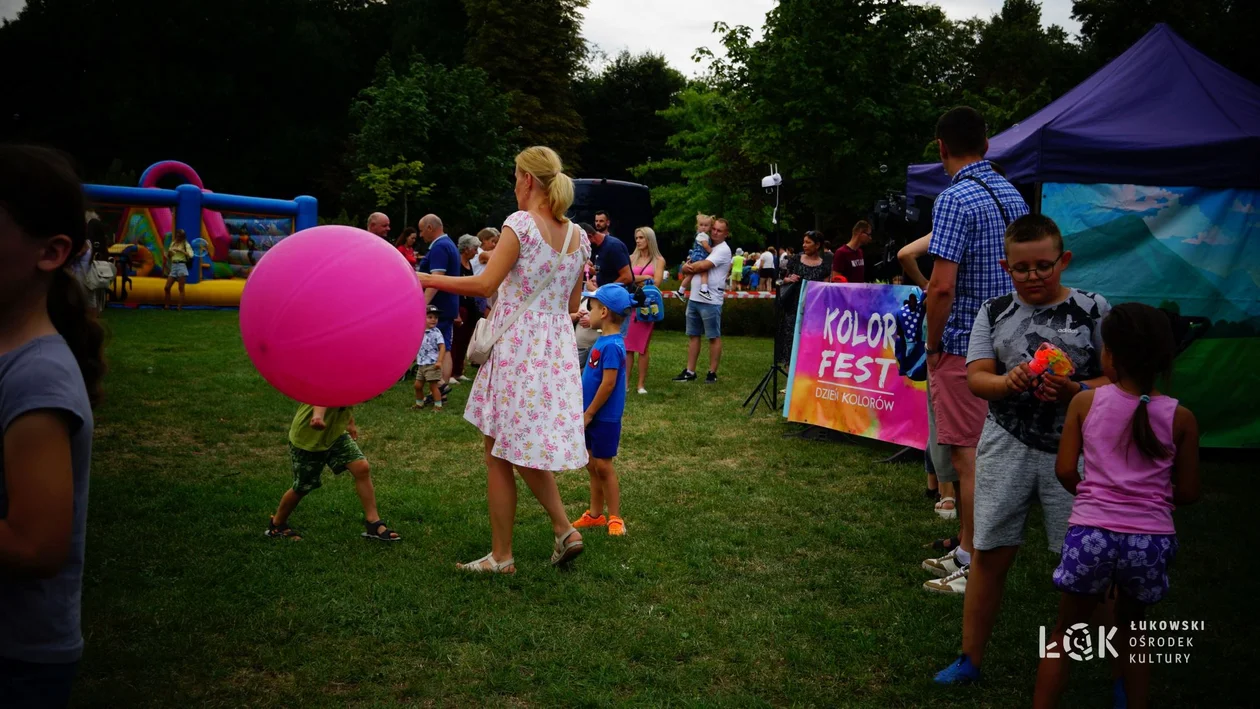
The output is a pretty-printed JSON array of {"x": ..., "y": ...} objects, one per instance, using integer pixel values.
[
  {"x": 954, "y": 584},
  {"x": 642, "y": 391},
  {"x": 453, "y": 382},
  {"x": 945, "y": 565},
  {"x": 464, "y": 379}
]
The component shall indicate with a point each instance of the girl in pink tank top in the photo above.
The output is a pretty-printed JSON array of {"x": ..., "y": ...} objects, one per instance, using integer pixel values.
[{"x": 1141, "y": 457}]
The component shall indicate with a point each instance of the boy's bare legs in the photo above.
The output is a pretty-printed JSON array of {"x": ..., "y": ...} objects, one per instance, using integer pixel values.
[
  {"x": 362, "y": 474},
  {"x": 983, "y": 599},
  {"x": 435, "y": 390},
  {"x": 964, "y": 460},
  {"x": 288, "y": 503},
  {"x": 1052, "y": 673},
  {"x": 317, "y": 417},
  {"x": 609, "y": 486},
  {"x": 597, "y": 487}
]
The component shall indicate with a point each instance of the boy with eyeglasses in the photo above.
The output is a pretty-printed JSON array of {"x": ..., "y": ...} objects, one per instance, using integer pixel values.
[{"x": 1015, "y": 458}]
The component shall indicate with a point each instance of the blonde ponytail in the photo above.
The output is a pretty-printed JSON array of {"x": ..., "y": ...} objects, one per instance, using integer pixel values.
[{"x": 544, "y": 165}]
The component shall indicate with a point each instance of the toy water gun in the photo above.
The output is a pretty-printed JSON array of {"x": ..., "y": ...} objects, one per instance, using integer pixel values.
[{"x": 1049, "y": 358}]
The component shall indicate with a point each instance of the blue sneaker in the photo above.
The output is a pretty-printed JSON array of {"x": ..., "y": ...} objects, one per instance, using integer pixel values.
[
  {"x": 1120, "y": 700},
  {"x": 961, "y": 672}
]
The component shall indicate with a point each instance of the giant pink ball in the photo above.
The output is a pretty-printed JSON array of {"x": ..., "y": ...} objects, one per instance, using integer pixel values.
[{"x": 332, "y": 316}]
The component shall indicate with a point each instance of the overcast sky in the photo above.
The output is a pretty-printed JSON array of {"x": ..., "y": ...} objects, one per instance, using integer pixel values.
[
  {"x": 676, "y": 28},
  {"x": 9, "y": 8}
]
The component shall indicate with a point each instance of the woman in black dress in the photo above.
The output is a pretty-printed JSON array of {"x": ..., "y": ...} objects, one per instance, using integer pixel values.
[{"x": 808, "y": 265}]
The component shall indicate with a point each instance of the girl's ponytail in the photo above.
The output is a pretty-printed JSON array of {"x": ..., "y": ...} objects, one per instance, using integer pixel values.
[
  {"x": 1142, "y": 347},
  {"x": 1143, "y": 435}
]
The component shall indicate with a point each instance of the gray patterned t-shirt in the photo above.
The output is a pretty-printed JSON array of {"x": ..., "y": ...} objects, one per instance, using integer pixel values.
[{"x": 1009, "y": 330}]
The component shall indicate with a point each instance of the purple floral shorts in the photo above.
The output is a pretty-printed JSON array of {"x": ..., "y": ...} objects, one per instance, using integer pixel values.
[{"x": 1093, "y": 559}]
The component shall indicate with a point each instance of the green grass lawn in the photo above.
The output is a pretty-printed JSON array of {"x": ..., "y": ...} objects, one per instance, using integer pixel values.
[{"x": 758, "y": 571}]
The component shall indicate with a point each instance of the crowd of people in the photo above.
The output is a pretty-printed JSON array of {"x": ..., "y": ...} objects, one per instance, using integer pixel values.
[{"x": 1100, "y": 448}]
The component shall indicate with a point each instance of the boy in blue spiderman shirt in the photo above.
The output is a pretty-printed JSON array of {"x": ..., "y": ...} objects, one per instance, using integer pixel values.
[{"x": 604, "y": 396}]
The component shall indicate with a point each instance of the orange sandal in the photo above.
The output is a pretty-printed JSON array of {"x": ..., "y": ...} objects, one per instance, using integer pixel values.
[
  {"x": 587, "y": 520},
  {"x": 616, "y": 526}
]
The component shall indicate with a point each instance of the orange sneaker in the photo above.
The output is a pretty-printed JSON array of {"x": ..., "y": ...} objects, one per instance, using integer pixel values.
[
  {"x": 586, "y": 520},
  {"x": 616, "y": 526}
]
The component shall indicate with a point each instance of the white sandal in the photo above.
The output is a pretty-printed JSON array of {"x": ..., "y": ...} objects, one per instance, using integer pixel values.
[
  {"x": 495, "y": 567},
  {"x": 566, "y": 551},
  {"x": 951, "y": 513}
]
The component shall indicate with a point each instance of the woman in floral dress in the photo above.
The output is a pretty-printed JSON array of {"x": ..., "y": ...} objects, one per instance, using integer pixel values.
[{"x": 527, "y": 398}]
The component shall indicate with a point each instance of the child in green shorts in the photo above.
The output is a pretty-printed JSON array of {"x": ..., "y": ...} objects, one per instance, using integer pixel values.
[{"x": 322, "y": 437}]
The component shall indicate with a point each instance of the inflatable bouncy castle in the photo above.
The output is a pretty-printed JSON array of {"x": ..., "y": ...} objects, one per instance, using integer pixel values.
[{"x": 225, "y": 248}]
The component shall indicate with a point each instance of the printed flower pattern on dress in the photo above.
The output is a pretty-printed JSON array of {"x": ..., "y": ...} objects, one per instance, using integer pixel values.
[{"x": 528, "y": 394}]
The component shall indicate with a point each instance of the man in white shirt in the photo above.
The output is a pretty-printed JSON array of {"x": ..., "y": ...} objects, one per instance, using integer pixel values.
[{"x": 704, "y": 310}]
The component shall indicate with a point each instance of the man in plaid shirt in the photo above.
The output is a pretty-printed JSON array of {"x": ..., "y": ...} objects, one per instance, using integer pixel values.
[{"x": 969, "y": 223}]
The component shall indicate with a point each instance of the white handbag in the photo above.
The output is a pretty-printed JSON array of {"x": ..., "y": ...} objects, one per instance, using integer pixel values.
[{"x": 484, "y": 338}]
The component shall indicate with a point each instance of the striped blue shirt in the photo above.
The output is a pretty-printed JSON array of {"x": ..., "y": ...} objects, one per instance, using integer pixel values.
[{"x": 968, "y": 229}]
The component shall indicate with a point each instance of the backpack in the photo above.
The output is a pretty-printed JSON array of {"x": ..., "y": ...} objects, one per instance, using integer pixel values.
[
  {"x": 910, "y": 347},
  {"x": 653, "y": 308}
]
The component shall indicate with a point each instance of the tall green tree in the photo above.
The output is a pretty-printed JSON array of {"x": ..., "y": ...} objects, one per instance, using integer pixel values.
[
  {"x": 397, "y": 181},
  {"x": 1013, "y": 65},
  {"x": 532, "y": 50},
  {"x": 834, "y": 90},
  {"x": 451, "y": 120},
  {"x": 1225, "y": 30},
  {"x": 706, "y": 173},
  {"x": 621, "y": 109},
  {"x": 1015, "y": 53}
]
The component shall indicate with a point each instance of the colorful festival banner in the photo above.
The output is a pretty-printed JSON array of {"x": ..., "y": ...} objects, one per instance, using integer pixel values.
[{"x": 844, "y": 373}]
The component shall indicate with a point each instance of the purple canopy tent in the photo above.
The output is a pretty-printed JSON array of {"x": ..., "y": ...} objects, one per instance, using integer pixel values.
[{"x": 1162, "y": 113}]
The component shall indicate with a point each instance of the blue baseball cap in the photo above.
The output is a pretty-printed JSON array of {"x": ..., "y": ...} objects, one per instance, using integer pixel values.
[{"x": 614, "y": 296}]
